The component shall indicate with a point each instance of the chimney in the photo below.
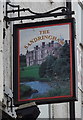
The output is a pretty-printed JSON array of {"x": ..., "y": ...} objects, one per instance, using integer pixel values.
[
  {"x": 36, "y": 47},
  {"x": 69, "y": 42},
  {"x": 27, "y": 51},
  {"x": 52, "y": 43},
  {"x": 65, "y": 41},
  {"x": 43, "y": 44},
  {"x": 49, "y": 44}
]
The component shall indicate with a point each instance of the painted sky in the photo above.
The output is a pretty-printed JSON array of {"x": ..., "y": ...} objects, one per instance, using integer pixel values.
[{"x": 29, "y": 33}]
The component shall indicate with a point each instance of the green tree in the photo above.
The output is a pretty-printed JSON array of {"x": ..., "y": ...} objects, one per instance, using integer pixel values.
[
  {"x": 61, "y": 67},
  {"x": 42, "y": 69},
  {"x": 45, "y": 69},
  {"x": 22, "y": 60},
  {"x": 65, "y": 51}
]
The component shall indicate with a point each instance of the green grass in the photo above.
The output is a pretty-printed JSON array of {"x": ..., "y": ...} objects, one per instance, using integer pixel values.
[
  {"x": 25, "y": 90},
  {"x": 31, "y": 71}
]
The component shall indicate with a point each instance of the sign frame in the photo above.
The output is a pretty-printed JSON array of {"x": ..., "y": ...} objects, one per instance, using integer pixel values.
[{"x": 16, "y": 64}]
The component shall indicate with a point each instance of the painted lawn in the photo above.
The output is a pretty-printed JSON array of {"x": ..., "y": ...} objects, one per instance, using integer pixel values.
[{"x": 31, "y": 71}]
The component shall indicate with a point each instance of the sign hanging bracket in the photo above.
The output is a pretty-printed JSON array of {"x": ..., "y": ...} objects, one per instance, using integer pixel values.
[{"x": 63, "y": 11}]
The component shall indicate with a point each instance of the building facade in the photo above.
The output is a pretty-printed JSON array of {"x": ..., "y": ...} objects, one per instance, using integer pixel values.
[
  {"x": 60, "y": 110},
  {"x": 40, "y": 53}
]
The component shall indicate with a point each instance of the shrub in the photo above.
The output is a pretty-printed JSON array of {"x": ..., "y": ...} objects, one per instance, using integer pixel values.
[{"x": 25, "y": 90}]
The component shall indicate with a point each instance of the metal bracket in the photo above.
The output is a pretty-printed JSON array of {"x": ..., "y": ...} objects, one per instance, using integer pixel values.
[
  {"x": 64, "y": 12},
  {"x": 7, "y": 11},
  {"x": 9, "y": 100}
]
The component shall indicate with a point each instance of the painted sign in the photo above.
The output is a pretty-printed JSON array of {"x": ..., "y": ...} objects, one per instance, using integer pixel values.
[{"x": 44, "y": 64}]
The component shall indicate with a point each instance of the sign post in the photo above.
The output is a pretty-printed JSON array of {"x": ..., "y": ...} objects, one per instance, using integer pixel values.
[
  {"x": 72, "y": 103},
  {"x": 72, "y": 110}
]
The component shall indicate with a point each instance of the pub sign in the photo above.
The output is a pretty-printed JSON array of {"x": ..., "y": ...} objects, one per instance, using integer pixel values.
[{"x": 44, "y": 62}]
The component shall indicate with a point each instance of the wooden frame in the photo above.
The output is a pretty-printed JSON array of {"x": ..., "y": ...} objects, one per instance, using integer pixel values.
[{"x": 44, "y": 57}]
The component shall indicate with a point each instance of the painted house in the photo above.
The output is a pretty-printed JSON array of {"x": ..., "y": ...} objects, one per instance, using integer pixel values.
[{"x": 39, "y": 54}]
